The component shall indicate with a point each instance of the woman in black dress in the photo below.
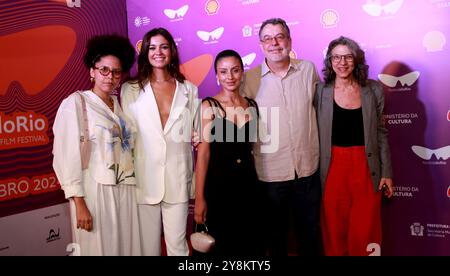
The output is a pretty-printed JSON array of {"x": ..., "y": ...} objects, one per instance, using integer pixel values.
[{"x": 228, "y": 197}]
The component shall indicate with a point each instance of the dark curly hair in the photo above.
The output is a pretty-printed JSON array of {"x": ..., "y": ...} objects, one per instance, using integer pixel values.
[
  {"x": 144, "y": 66},
  {"x": 228, "y": 53},
  {"x": 114, "y": 45},
  {"x": 361, "y": 70}
]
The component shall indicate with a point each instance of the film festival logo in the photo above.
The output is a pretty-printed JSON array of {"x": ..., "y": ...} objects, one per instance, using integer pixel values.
[
  {"x": 141, "y": 21},
  {"x": 406, "y": 80},
  {"x": 23, "y": 129},
  {"x": 212, "y": 36},
  {"x": 416, "y": 229},
  {"x": 441, "y": 154},
  {"x": 375, "y": 8},
  {"x": 73, "y": 3},
  {"x": 178, "y": 14}
]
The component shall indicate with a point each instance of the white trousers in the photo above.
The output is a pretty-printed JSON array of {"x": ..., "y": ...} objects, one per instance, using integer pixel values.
[
  {"x": 173, "y": 219},
  {"x": 115, "y": 222}
]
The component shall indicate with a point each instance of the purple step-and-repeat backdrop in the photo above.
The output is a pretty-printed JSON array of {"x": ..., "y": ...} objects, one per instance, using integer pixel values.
[{"x": 407, "y": 48}]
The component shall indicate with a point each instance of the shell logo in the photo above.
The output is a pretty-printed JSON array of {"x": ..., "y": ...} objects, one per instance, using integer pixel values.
[
  {"x": 292, "y": 54},
  {"x": 434, "y": 41},
  {"x": 329, "y": 18},
  {"x": 212, "y": 7},
  {"x": 138, "y": 46}
]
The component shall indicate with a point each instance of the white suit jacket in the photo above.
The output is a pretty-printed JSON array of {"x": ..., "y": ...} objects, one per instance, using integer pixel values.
[{"x": 163, "y": 157}]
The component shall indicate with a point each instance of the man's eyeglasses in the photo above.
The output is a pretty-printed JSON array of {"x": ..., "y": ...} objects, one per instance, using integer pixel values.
[
  {"x": 338, "y": 58},
  {"x": 105, "y": 70},
  {"x": 268, "y": 39}
]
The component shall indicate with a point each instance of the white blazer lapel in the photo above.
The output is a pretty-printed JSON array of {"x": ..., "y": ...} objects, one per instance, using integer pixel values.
[
  {"x": 146, "y": 111},
  {"x": 178, "y": 106}
]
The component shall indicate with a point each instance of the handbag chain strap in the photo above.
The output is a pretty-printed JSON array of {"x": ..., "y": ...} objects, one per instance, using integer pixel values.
[{"x": 206, "y": 227}]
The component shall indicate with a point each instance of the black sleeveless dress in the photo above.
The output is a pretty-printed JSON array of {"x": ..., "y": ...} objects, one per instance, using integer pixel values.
[{"x": 232, "y": 192}]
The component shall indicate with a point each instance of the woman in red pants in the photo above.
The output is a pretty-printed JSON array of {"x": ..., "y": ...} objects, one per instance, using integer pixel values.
[{"x": 354, "y": 152}]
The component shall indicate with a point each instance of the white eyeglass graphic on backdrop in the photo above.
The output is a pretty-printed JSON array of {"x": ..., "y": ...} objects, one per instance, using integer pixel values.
[
  {"x": 391, "y": 81},
  {"x": 374, "y": 8},
  {"x": 176, "y": 13},
  {"x": 216, "y": 34},
  {"x": 248, "y": 59},
  {"x": 426, "y": 153}
]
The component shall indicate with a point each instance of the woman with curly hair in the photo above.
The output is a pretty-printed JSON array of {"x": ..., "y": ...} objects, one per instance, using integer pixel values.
[
  {"x": 101, "y": 191},
  {"x": 355, "y": 160},
  {"x": 161, "y": 103}
]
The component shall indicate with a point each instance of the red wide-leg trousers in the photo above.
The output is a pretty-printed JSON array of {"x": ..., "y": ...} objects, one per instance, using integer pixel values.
[{"x": 350, "y": 215}]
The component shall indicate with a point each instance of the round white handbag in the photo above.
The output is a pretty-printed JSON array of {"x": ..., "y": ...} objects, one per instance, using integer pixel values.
[{"x": 202, "y": 241}]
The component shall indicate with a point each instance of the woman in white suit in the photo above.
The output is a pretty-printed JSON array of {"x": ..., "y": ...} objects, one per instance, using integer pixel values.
[
  {"x": 161, "y": 103},
  {"x": 102, "y": 194}
]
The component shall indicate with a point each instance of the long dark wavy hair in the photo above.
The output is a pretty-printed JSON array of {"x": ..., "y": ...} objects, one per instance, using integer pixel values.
[
  {"x": 361, "y": 70},
  {"x": 144, "y": 66}
]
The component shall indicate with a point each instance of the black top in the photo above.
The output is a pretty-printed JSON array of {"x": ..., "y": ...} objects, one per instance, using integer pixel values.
[
  {"x": 232, "y": 192},
  {"x": 348, "y": 127}
]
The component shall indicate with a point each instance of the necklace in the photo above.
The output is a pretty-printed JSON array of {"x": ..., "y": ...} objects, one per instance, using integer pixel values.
[
  {"x": 163, "y": 80},
  {"x": 110, "y": 104}
]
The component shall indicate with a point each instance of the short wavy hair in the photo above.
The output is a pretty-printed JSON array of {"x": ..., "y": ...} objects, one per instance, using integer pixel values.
[
  {"x": 114, "y": 45},
  {"x": 275, "y": 21},
  {"x": 144, "y": 66},
  {"x": 361, "y": 70}
]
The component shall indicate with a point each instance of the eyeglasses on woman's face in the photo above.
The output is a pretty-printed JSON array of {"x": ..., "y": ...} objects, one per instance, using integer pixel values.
[
  {"x": 338, "y": 58},
  {"x": 105, "y": 70}
]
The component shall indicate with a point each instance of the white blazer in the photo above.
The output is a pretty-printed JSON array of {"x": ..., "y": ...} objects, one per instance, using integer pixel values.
[{"x": 163, "y": 157}]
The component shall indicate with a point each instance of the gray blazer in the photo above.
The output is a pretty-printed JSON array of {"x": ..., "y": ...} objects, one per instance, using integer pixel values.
[{"x": 375, "y": 133}]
